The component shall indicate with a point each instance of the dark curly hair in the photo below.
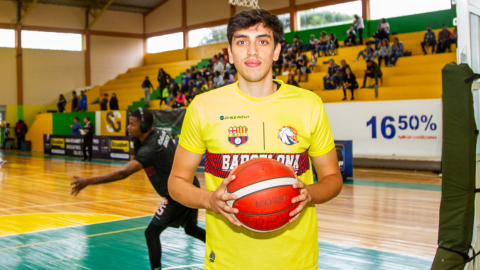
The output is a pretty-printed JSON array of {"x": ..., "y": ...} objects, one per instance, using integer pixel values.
[{"x": 251, "y": 17}]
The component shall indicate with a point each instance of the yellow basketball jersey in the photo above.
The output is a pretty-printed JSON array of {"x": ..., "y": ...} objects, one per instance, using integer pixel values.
[{"x": 231, "y": 128}]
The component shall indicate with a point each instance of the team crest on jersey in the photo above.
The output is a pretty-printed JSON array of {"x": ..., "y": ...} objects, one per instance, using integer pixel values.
[
  {"x": 288, "y": 135},
  {"x": 237, "y": 135}
]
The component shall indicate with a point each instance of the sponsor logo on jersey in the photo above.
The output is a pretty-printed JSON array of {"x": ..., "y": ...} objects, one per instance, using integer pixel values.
[
  {"x": 288, "y": 135},
  {"x": 235, "y": 117},
  {"x": 212, "y": 256},
  {"x": 220, "y": 165},
  {"x": 237, "y": 135}
]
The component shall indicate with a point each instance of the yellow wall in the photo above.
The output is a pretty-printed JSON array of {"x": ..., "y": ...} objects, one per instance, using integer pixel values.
[
  {"x": 111, "y": 56},
  {"x": 8, "y": 12},
  {"x": 49, "y": 73},
  {"x": 206, "y": 51},
  {"x": 273, "y": 4},
  {"x": 119, "y": 21},
  {"x": 168, "y": 16},
  {"x": 165, "y": 57},
  {"x": 299, "y": 2},
  {"x": 56, "y": 16},
  {"x": 30, "y": 112},
  {"x": 42, "y": 125},
  {"x": 12, "y": 115},
  {"x": 217, "y": 10},
  {"x": 8, "y": 76}
]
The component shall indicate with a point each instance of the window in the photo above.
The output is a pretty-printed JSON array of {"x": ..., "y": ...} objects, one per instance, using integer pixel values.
[
  {"x": 285, "y": 19},
  {"x": 7, "y": 38},
  {"x": 165, "y": 43},
  {"x": 52, "y": 41},
  {"x": 206, "y": 36},
  {"x": 393, "y": 8},
  {"x": 329, "y": 15}
]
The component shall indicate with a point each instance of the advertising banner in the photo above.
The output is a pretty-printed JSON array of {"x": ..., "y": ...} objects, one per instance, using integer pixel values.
[
  {"x": 402, "y": 128},
  {"x": 104, "y": 147},
  {"x": 113, "y": 123}
]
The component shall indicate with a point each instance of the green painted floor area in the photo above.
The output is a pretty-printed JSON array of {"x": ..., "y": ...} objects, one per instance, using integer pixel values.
[{"x": 121, "y": 245}]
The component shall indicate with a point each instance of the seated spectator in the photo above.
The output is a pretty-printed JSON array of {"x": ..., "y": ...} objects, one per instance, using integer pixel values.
[
  {"x": 76, "y": 126},
  {"x": 210, "y": 64},
  {"x": 397, "y": 51},
  {"x": 332, "y": 71},
  {"x": 114, "y": 102},
  {"x": 359, "y": 26},
  {"x": 103, "y": 104},
  {"x": 312, "y": 43},
  {"x": 323, "y": 43},
  {"x": 350, "y": 41},
  {"x": 192, "y": 95},
  {"x": 228, "y": 78},
  {"x": 452, "y": 39},
  {"x": 219, "y": 66},
  {"x": 385, "y": 52},
  {"x": 289, "y": 60},
  {"x": 210, "y": 82},
  {"x": 218, "y": 80},
  {"x": 350, "y": 30},
  {"x": 185, "y": 81},
  {"x": 180, "y": 100},
  {"x": 82, "y": 106},
  {"x": 302, "y": 67},
  {"x": 291, "y": 80},
  {"x": 204, "y": 87},
  {"x": 296, "y": 45},
  {"x": 171, "y": 94},
  {"x": 277, "y": 65},
  {"x": 443, "y": 37},
  {"x": 379, "y": 35},
  {"x": 349, "y": 82},
  {"x": 230, "y": 68},
  {"x": 61, "y": 103},
  {"x": 313, "y": 61},
  {"x": 429, "y": 40},
  {"x": 373, "y": 71},
  {"x": 332, "y": 44},
  {"x": 367, "y": 53},
  {"x": 284, "y": 45},
  {"x": 338, "y": 79},
  {"x": 188, "y": 73},
  {"x": 385, "y": 26}
]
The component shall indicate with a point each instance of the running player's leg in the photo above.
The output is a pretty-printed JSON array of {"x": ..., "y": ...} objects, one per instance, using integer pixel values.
[{"x": 152, "y": 235}]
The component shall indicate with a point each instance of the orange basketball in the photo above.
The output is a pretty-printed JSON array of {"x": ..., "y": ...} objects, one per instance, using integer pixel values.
[{"x": 264, "y": 189}]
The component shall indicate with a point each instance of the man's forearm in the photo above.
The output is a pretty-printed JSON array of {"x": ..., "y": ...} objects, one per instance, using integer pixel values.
[
  {"x": 108, "y": 177},
  {"x": 184, "y": 192},
  {"x": 326, "y": 189}
]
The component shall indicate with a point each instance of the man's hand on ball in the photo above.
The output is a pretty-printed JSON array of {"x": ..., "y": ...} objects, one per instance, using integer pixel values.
[
  {"x": 218, "y": 200},
  {"x": 303, "y": 199}
]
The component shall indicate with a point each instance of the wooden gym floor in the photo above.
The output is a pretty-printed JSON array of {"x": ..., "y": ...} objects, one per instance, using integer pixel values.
[{"x": 383, "y": 219}]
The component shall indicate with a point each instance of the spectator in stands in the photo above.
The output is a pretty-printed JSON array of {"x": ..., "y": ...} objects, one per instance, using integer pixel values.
[
  {"x": 385, "y": 26},
  {"x": 210, "y": 82},
  {"x": 332, "y": 44},
  {"x": 76, "y": 126},
  {"x": 332, "y": 71},
  {"x": 338, "y": 78},
  {"x": 185, "y": 81},
  {"x": 146, "y": 85},
  {"x": 310, "y": 46},
  {"x": 277, "y": 65},
  {"x": 114, "y": 102},
  {"x": 218, "y": 80},
  {"x": 188, "y": 73},
  {"x": 291, "y": 80},
  {"x": 180, "y": 100},
  {"x": 397, "y": 51},
  {"x": 205, "y": 73},
  {"x": 385, "y": 52},
  {"x": 289, "y": 60},
  {"x": 219, "y": 66},
  {"x": 171, "y": 94},
  {"x": 284, "y": 45},
  {"x": 349, "y": 82},
  {"x": 302, "y": 67},
  {"x": 210, "y": 64},
  {"x": 230, "y": 68},
  {"x": 350, "y": 41},
  {"x": 296, "y": 45},
  {"x": 429, "y": 40},
  {"x": 20, "y": 132},
  {"x": 323, "y": 42},
  {"x": 82, "y": 106},
  {"x": 204, "y": 87},
  {"x": 103, "y": 104},
  {"x": 61, "y": 103},
  {"x": 443, "y": 37},
  {"x": 367, "y": 53},
  {"x": 163, "y": 78},
  {"x": 351, "y": 31},
  {"x": 228, "y": 78},
  {"x": 165, "y": 94},
  {"x": 7, "y": 139},
  {"x": 313, "y": 61},
  {"x": 74, "y": 102},
  {"x": 379, "y": 35},
  {"x": 358, "y": 24},
  {"x": 452, "y": 39},
  {"x": 192, "y": 95},
  {"x": 373, "y": 71}
]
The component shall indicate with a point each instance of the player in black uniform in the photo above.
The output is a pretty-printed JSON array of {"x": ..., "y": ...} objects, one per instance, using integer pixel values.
[{"x": 155, "y": 156}]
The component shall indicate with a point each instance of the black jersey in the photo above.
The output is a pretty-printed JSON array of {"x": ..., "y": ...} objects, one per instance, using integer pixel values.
[{"x": 156, "y": 156}]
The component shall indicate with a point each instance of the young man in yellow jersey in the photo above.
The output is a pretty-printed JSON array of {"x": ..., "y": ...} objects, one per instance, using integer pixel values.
[{"x": 256, "y": 117}]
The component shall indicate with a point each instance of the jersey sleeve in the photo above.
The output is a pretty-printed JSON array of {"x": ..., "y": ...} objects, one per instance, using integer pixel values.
[
  {"x": 144, "y": 157},
  {"x": 321, "y": 136},
  {"x": 191, "y": 134}
]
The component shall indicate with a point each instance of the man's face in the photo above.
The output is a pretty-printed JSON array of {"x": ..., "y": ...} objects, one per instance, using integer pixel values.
[
  {"x": 331, "y": 63},
  {"x": 295, "y": 40},
  {"x": 429, "y": 28},
  {"x": 369, "y": 64},
  {"x": 253, "y": 51},
  {"x": 444, "y": 28},
  {"x": 85, "y": 120},
  {"x": 75, "y": 120},
  {"x": 133, "y": 127}
]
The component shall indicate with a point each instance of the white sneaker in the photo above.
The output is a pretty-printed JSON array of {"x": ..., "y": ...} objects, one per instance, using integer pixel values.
[
  {"x": 2, "y": 162},
  {"x": 356, "y": 60}
]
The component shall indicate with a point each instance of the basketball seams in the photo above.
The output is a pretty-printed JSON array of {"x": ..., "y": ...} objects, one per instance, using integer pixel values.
[
  {"x": 249, "y": 214},
  {"x": 260, "y": 183}
]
